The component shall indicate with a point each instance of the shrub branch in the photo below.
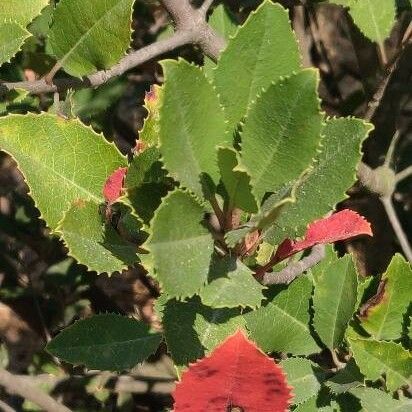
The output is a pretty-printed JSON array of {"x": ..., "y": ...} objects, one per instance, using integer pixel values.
[
  {"x": 18, "y": 386},
  {"x": 190, "y": 28}
]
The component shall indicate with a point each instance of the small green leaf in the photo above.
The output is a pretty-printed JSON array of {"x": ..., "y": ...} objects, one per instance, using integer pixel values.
[
  {"x": 180, "y": 245},
  {"x": 192, "y": 329},
  {"x": 376, "y": 358},
  {"x": 92, "y": 242},
  {"x": 384, "y": 318},
  {"x": 233, "y": 285},
  {"x": 283, "y": 325},
  {"x": 12, "y": 37},
  {"x": 105, "y": 342},
  {"x": 146, "y": 183},
  {"x": 263, "y": 49},
  {"x": 82, "y": 31},
  {"x": 375, "y": 18},
  {"x": 188, "y": 142},
  {"x": 375, "y": 400},
  {"x": 324, "y": 185},
  {"x": 236, "y": 183},
  {"x": 334, "y": 299},
  {"x": 62, "y": 160},
  {"x": 302, "y": 376},
  {"x": 149, "y": 135},
  {"x": 281, "y": 133}
]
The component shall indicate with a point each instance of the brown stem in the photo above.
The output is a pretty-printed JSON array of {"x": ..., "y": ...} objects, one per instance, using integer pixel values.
[
  {"x": 15, "y": 385},
  {"x": 191, "y": 28}
]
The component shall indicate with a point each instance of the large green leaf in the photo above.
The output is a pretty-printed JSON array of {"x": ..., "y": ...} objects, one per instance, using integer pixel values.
[
  {"x": 92, "y": 35},
  {"x": 12, "y": 37},
  {"x": 236, "y": 183},
  {"x": 105, "y": 342},
  {"x": 302, "y": 377},
  {"x": 375, "y": 18},
  {"x": 376, "y": 358},
  {"x": 94, "y": 243},
  {"x": 325, "y": 184},
  {"x": 375, "y": 400},
  {"x": 334, "y": 299},
  {"x": 192, "y": 329},
  {"x": 281, "y": 132},
  {"x": 192, "y": 125},
  {"x": 283, "y": 325},
  {"x": 232, "y": 285},
  {"x": 384, "y": 318},
  {"x": 180, "y": 245},
  {"x": 62, "y": 160},
  {"x": 263, "y": 49}
]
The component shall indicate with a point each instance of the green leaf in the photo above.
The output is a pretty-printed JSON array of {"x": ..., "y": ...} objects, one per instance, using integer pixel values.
[
  {"x": 192, "y": 329},
  {"x": 301, "y": 375},
  {"x": 232, "y": 285},
  {"x": 12, "y": 37},
  {"x": 149, "y": 135},
  {"x": 281, "y": 132},
  {"x": 188, "y": 144},
  {"x": 236, "y": 183},
  {"x": 90, "y": 36},
  {"x": 383, "y": 320},
  {"x": 333, "y": 172},
  {"x": 263, "y": 49},
  {"x": 19, "y": 13},
  {"x": 62, "y": 160},
  {"x": 375, "y": 18},
  {"x": 375, "y": 400},
  {"x": 223, "y": 23},
  {"x": 334, "y": 299},
  {"x": 92, "y": 242},
  {"x": 283, "y": 325},
  {"x": 375, "y": 358},
  {"x": 180, "y": 245},
  {"x": 105, "y": 342},
  {"x": 347, "y": 378}
]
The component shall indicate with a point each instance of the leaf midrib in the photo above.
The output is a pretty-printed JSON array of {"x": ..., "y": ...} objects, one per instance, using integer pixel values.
[
  {"x": 44, "y": 166},
  {"x": 117, "y": 343}
]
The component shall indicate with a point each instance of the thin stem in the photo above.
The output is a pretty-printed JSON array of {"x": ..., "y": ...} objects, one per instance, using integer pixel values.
[
  {"x": 6, "y": 408},
  {"x": 391, "y": 150},
  {"x": 295, "y": 269},
  {"x": 15, "y": 385},
  {"x": 382, "y": 54},
  {"x": 403, "y": 174},
  {"x": 218, "y": 211},
  {"x": 393, "y": 218},
  {"x": 130, "y": 61},
  {"x": 338, "y": 364},
  {"x": 206, "y": 6}
]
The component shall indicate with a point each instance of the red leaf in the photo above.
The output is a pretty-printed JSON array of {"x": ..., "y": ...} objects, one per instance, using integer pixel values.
[
  {"x": 340, "y": 226},
  {"x": 113, "y": 187},
  {"x": 236, "y": 374}
]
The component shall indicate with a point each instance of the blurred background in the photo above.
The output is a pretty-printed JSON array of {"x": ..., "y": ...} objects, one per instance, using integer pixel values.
[{"x": 42, "y": 290}]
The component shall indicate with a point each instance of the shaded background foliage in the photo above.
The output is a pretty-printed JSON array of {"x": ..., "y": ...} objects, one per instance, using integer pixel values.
[{"x": 43, "y": 291}]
